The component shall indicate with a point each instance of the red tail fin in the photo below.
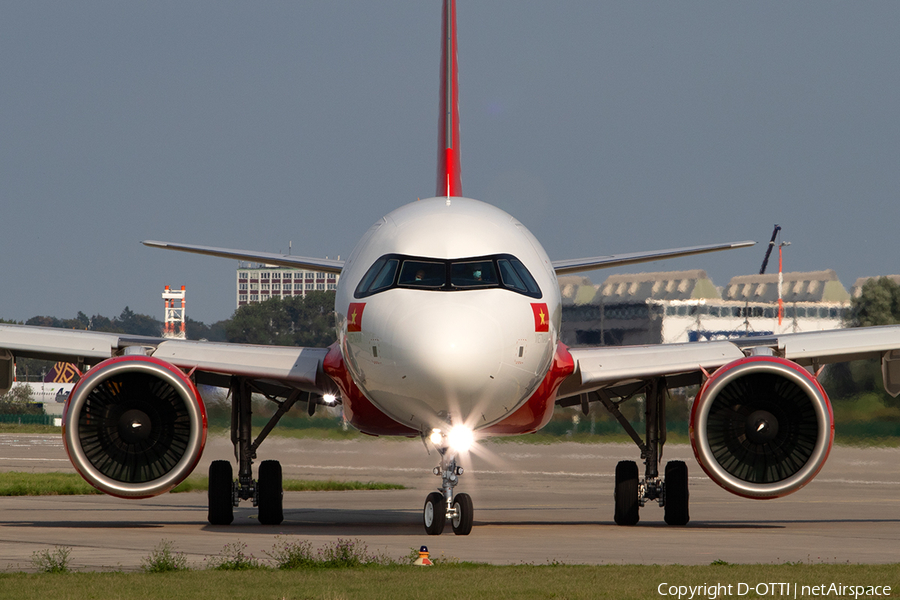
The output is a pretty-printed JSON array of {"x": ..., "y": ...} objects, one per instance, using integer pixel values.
[{"x": 448, "y": 181}]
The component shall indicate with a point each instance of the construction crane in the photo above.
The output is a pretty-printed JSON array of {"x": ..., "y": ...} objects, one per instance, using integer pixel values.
[{"x": 762, "y": 270}]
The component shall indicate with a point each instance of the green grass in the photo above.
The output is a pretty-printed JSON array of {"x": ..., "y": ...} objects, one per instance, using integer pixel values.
[
  {"x": 200, "y": 483},
  {"x": 449, "y": 581},
  {"x": 296, "y": 485},
  {"x": 841, "y": 439},
  {"x": 579, "y": 438},
  {"x": 309, "y": 433},
  {"x": 44, "y": 484},
  {"x": 26, "y": 428},
  {"x": 68, "y": 484}
]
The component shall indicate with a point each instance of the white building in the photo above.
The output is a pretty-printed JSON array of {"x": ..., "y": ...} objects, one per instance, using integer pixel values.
[
  {"x": 682, "y": 306},
  {"x": 258, "y": 283}
]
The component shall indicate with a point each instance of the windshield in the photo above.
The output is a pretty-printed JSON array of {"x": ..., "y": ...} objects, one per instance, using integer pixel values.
[
  {"x": 426, "y": 274},
  {"x": 473, "y": 274},
  {"x": 501, "y": 271}
]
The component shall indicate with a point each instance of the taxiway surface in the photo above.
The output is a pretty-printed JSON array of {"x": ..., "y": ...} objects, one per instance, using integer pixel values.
[{"x": 533, "y": 504}]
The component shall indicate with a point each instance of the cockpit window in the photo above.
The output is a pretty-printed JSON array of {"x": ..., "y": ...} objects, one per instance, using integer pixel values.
[
  {"x": 380, "y": 275},
  {"x": 517, "y": 277},
  {"x": 473, "y": 274},
  {"x": 500, "y": 271},
  {"x": 422, "y": 274}
]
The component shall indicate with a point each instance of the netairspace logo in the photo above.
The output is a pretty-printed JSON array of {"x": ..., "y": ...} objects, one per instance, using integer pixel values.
[{"x": 774, "y": 590}]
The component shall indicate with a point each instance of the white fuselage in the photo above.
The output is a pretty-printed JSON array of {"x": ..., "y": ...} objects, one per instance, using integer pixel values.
[{"x": 429, "y": 356}]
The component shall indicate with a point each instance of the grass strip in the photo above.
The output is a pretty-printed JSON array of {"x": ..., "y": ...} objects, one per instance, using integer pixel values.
[
  {"x": 200, "y": 483},
  {"x": 70, "y": 484},
  {"x": 332, "y": 434},
  {"x": 29, "y": 428},
  {"x": 15, "y": 483},
  {"x": 466, "y": 580},
  {"x": 306, "y": 433}
]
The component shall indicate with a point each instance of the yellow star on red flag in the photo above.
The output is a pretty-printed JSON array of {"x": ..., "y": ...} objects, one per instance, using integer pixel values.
[
  {"x": 541, "y": 317},
  {"x": 354, "y": 316}
]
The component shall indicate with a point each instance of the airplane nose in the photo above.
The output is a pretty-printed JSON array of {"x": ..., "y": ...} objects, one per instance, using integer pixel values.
[{"x": 453, "y": 352}]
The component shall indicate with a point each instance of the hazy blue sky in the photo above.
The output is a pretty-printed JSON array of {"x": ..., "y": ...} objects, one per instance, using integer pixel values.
[{"x": 604, "y": 127}]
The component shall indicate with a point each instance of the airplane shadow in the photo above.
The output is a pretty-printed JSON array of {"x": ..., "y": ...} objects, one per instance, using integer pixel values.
[
  {"x": 86, "y": 524},
  {"x": 406, "y": 522}
]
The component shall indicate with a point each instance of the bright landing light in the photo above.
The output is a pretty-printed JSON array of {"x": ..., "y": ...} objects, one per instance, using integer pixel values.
[
  {"x": 436, "y": 437},
  {"x": 329, "y": 399},
  {"x": 460, "y": 438}
]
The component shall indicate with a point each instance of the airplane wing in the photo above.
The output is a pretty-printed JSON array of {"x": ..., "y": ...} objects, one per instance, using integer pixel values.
[
  {"x": 576, "y": 265},
  {"x": 683, "y": 364},
  {"x": 270, "y": 258},
  {"x": 135, "y": 423},
  {"x": 761, "y": 425},
  {"x": 279, "y": 369}
]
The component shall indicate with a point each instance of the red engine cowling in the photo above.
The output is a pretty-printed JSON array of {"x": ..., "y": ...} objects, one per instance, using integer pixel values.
[
  {"x": 762, "y": 427},
  {"x": 134, "y": 426}
]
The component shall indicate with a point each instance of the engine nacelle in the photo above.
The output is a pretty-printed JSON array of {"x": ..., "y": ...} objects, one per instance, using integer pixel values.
[
  {"x": 762, "y": 427},
  {"x": 134, "y": 426}
]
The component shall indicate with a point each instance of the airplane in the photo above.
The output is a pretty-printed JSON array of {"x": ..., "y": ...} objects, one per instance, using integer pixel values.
[{"x": 448, "y": 317}]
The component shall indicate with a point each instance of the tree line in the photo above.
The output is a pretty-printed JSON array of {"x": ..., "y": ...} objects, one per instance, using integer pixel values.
[
  {"x": 294, "y": 321},
  {"x": 877, "y": 304},
  {"x": 309, "y": 321}
]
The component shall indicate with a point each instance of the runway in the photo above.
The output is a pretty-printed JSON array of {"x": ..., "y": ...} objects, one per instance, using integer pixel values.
[{"x": 533, "y": 504}]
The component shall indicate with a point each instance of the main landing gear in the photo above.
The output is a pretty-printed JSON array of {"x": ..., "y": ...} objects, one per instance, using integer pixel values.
[
  {"x": 443, "y": 506},
  {"x": 631, "y": 491},
  {"x": 226, "y": 492}
]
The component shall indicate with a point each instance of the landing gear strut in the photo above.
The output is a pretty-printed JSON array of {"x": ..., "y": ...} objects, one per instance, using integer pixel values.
[
  {"x": 632, "y": 492},
  {"x": 225, "y": 492},
  {"x": 442, "y": 505}
]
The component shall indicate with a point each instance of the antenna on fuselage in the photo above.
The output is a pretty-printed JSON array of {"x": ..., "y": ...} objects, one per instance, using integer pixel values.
[{"x": 448, "y": 180}]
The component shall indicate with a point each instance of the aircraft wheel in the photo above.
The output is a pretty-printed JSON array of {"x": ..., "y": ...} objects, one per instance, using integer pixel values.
[
  {"x": 221, "y": 483},
  {"x": 677, "y": 493},
  {"x": 434, "y": 514},
  {"x": 271, "y": 495},
  {"x": 462, "y": 522},
  {"x": 626, "y": 493}
]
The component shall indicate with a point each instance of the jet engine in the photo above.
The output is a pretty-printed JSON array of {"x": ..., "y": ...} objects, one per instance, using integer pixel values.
[
  {"x": 134, "y": 426},
  {"x": 762, "y": 427}
]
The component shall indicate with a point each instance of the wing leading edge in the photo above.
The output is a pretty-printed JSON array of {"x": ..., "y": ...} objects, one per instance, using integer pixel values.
[
  {"x": 270, "y": 258},
  {"x": 577, "y": 265},
  {"x": 287, "y": 367}
]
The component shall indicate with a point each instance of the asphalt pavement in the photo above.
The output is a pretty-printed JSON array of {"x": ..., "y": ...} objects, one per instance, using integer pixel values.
[{"x": 533, "y": 504}]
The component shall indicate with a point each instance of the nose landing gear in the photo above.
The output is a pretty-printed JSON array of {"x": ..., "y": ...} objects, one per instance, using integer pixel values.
[{"x": 443, "y": 506}]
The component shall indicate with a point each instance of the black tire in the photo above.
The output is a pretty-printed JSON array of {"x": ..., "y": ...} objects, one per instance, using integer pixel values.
[
  {"x": 626, "y": 493},
  {"x": 270, "y": 493},
  {"x": 677, "y": 496},
  {"x": 219, "y": 494},
  {"x": 434, "y": 514},
  {"x": 462, "y": 522}
]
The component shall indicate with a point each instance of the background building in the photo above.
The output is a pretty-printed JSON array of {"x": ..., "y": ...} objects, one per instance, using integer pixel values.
[
  {"x": 258, "y": 283},
  {"x": 683, "y": 306}
]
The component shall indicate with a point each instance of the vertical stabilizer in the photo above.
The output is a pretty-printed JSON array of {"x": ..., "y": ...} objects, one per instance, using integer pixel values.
[{"x": 448, "y": 180}]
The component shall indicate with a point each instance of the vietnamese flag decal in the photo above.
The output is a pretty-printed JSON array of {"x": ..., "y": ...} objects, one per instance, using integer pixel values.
[
  {"x": 354, "y": 316},
  {"x": 541, "y": 317}
]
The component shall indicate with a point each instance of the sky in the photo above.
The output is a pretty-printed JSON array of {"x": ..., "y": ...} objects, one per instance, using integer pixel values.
[{"x": 604, "y": 127}]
